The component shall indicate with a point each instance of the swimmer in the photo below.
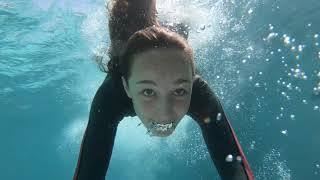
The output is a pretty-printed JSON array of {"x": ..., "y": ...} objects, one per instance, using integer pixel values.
[{"x": 151, "y": 74}]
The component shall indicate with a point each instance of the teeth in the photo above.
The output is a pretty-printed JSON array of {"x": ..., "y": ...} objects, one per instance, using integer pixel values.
[{"x": 162, "y": 127}]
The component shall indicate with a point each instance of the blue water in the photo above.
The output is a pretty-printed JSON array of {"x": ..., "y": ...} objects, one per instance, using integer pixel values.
[{"x": 262, "y": 57}]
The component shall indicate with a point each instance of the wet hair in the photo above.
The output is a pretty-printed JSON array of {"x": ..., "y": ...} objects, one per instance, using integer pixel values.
[
  {"x": 154, "y": 37},
  {"x": 133, "y": 29}
]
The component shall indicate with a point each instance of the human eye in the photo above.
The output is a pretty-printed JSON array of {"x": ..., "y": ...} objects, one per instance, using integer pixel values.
[
  {"x": 181, "y": 92},
  {"x": 148, "y": 92}
]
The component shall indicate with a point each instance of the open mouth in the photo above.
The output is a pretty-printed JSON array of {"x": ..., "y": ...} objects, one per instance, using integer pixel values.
[
  {"x": 162, "y": 127},
  {"x": 159, "y": 127}
]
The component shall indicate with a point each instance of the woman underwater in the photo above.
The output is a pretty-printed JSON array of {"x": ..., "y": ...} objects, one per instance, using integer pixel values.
[{"x": 152, "y": 75}]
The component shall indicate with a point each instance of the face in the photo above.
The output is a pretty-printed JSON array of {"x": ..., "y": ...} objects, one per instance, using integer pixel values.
[{"x": 160, "y": 87}]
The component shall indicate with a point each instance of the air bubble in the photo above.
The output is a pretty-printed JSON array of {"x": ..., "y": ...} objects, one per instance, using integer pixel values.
[
  {"x": 207, "y": 120},
  {"x": 252, "y": 145},
  {"x": 237, "y": 106},
  {"x": 292, "y": 116},
  {"x": 219, "y": 117},
  {"x": 239, "y": 159},
  {"x": 316, "y": 36},
  {"x": 250, "y": 11},
  {"x": 285, "y": 132},
  {"x": 270, "y": 27},
  {"x": 316, "y": 90},
  {"x": 289, "y": 86},
  {"x": 229, "y": 158},
  {"x": 286, "y": 39},
  {"x": 315, "y": 108},
  {"x": 304, "y": 101}
]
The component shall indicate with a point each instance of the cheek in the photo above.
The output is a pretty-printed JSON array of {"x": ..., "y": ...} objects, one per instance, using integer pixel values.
[
  {"x": 143, "y": 108},
  {"x": 182, "y": 106}
]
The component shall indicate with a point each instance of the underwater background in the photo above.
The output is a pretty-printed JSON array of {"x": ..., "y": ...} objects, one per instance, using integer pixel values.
[{"x": 262, "y": 57}]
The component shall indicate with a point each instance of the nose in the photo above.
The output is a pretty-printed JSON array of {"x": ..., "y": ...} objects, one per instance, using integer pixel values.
[{"x": 166, "y": 111}]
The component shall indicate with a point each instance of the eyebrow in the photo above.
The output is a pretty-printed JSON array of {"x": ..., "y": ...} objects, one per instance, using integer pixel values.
[{"x": 179, "y": 81}]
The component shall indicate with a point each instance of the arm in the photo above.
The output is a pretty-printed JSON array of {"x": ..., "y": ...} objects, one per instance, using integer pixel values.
[
  {"x": 107, "y": 110},
  {"x": 218, "y": 134}
]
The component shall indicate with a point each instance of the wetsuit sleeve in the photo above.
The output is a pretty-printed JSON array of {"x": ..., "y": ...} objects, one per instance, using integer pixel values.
[
  {"x": 218, "y": 134},
  {"x": 97, "y": 143}
]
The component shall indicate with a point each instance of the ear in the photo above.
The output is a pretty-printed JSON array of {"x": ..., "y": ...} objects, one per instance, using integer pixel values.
[{"x": 125, "y": 86}]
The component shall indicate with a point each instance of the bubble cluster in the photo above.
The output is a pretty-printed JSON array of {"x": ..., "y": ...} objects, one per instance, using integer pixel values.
[
  {"x": 286, "y": 39},
  {"x": 298, "y": 73},
  {"x": 271, "y": 36}
]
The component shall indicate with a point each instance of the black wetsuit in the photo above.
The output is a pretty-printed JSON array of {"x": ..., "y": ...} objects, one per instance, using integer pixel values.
[{"x": 111, "y": 104}]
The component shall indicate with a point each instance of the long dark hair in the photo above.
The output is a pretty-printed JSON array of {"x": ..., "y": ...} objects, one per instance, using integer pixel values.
[{"x": 133, "y": 29}]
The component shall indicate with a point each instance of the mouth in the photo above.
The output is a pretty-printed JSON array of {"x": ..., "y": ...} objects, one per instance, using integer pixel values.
[
  {"x": 162, "y": 127},
  {"x": 159, "y": 127}
]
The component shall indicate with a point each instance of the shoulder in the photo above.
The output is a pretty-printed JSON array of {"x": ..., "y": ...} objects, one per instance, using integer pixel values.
[
  {"x": 203, "y": 98},
  {"x": 111, "y": 98}
]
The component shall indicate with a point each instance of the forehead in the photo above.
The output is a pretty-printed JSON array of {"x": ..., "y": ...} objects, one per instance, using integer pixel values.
[
  {"x": 160, "y": 57},
  {"x": 160, "y": 63}
]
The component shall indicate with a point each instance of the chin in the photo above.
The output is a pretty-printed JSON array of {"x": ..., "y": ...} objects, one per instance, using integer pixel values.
[{"x": 162, "y": 134}]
